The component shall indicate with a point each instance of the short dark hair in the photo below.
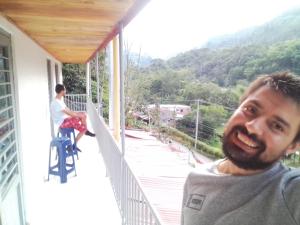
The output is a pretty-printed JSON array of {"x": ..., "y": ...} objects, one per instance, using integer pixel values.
[
  {"x": 59, "y": 88},
  {"x": 286, "y": 83}
]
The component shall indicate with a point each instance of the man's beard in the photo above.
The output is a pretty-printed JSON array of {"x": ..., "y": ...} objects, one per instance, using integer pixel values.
[{"x": 241, "y": 158}]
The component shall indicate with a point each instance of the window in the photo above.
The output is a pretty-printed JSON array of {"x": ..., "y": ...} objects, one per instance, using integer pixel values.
[{"x": 8, "y": 146}]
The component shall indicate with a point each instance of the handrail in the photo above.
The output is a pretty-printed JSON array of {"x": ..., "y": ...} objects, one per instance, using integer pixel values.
[
  {"x": 76, "y": 102},
  {"x": 134, "y": 206}
]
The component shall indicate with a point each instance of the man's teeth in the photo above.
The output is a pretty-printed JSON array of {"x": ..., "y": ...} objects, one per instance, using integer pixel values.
[{"x": 243, "y": 138}]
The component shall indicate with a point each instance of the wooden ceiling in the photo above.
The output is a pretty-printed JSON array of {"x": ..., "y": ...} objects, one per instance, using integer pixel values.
[{"x": 70, "y": 30}]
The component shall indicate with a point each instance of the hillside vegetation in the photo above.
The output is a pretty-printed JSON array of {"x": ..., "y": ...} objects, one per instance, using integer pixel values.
[{"x": 216, "y": 74}]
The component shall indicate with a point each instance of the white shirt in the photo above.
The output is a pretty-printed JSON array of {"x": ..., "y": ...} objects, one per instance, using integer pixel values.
[{"x": 57, "y": 114}]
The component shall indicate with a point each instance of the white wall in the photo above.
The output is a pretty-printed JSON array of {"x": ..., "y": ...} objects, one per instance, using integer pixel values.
[{"x": 31, "y": 85}]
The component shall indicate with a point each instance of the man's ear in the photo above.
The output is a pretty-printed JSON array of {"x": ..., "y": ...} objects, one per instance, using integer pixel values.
[{"x": 293, "y": 147}]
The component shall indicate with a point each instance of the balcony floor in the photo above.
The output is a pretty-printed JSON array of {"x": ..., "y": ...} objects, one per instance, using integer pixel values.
[{"x": 84, "y": 199}]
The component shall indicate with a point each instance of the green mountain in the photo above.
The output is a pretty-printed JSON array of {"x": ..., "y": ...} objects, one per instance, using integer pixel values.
[
  {"x": 282, "y": 28},
  {"x": 241, "y": 57},
  {"x": 203, "y": 72},
  {"x": 217, "y": 74}
]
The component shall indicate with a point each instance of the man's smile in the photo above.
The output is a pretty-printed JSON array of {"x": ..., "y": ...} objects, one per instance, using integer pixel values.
[{"x": 245, "y": 143}]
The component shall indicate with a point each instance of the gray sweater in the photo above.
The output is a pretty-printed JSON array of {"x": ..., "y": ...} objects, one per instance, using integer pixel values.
[{"x": 269, "y": 198}]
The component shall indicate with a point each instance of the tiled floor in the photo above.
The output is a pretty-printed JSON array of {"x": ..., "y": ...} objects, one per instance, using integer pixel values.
[{"x": 86, "y": 199}]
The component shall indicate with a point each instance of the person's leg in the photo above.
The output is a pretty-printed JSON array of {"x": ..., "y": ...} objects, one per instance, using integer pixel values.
[
  {"x": 79, "y": 135},
  {"x": 78, "y": 125},
  {"x": 82, "y": 131},
  {"x": 82, "y": 128},
  {"x": 75, "y": 122},
  {"x": 82, "y": 117}
]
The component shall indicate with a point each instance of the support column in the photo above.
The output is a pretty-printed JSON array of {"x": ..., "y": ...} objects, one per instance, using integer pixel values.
[
  {"x": 88, "y": 80},
  {"x": 122, "y": 97},
  {"x": 197, "y": 124},
  {"x": 122, "y": 118},
  {"x": 101, "y": 78},
  {"x": 110, "y": 81},
  {"x": 116, "y": 90},
  {"x": 99, "y": 104}
]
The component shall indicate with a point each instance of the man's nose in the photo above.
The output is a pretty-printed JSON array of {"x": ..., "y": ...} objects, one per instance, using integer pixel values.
[{"x": 255, "y": 126}]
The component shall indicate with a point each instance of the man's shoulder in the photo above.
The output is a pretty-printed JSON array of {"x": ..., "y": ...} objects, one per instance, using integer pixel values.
[
  {"x": 57, "y": 105},
  {"x": 56, "y": 101},
  {"x": 291, "y": 179},
  {"x": 291, "y": 192},
  {"x": 203, "y": 170},
  {"x": 290, "y": 185},
  {"x": 53, "y": 103}
]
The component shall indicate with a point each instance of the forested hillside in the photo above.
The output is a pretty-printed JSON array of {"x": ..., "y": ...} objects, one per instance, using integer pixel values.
[
  {"x": 227, "y": 66},
  {"x": 283, "y": 28},
  {"x": 272, "y": 47},
  {"x": 216, "y": 74}
]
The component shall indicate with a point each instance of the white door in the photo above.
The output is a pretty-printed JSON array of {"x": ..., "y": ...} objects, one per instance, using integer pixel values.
[{"x": 11, "y": 204}]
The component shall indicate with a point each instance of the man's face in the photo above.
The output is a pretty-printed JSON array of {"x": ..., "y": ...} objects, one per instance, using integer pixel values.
[
  {"x": 63, "y": 92},
  {"x": 261, "y": 130}
]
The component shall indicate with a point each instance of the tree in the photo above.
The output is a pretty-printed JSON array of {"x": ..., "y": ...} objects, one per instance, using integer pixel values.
[{"x": 74, "y": 79}]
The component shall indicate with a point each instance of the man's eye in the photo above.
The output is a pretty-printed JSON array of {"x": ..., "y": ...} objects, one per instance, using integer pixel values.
[
  {"x": 276, "y": 126},
  {"x": 249, "y": 109}
]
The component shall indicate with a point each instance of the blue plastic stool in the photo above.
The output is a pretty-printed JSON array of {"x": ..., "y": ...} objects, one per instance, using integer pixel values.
[
  {"x": 62, "y": 168},
  {"x": 70, "y": 133}
]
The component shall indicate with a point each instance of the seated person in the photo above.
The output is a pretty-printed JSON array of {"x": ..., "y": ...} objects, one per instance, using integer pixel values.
[{"x": 63, "y": 117}]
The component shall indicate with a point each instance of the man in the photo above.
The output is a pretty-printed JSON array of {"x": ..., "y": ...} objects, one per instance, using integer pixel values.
[
  {"x": 251, "y": 186},
  {"x": 63, "y": 117}
]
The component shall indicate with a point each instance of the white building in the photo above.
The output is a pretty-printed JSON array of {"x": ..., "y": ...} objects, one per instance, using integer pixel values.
[
  {"x": 170, "y": 113},
  {"x": 35, "y": 38}
]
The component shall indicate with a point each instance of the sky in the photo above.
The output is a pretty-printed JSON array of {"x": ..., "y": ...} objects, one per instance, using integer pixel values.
[{"x": 165, "y": 28}]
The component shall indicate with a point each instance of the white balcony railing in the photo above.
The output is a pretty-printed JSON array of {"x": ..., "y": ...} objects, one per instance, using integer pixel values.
[
  {"x": 133, "y": 204},
  {"x": 76, "y": 102}
]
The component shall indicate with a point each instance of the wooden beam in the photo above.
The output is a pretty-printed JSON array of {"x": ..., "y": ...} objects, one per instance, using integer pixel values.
[
  {"x": 126, "y": 19},
  {"x": 60, "y": 27}
]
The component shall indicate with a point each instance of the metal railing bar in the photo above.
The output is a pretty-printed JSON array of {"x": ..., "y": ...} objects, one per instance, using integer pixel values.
[
  {"x": 134, "y": 206},
  {"x": 142, "y": 213},
  {"x": 132, "y": 203},
  {"x": 76, "y": 102},
  {"x": 146, "y": 212},
  {"x": 143, "y": 193},
  {"x": 138, "y": 208}
]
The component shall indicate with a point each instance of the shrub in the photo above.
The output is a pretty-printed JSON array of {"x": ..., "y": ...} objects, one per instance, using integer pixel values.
[{"x": 189, "y": 142}]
